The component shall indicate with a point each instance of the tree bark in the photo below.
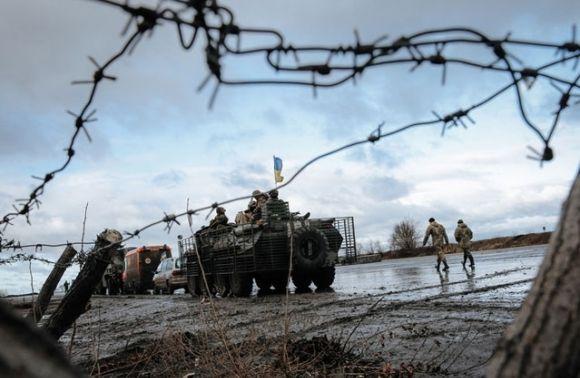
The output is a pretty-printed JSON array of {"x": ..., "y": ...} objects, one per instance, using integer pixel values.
[
  {"x": 50, "y": 284},
  {"x": 27, "y": 351},
  {"x": 75, "y": 301},
  {"x": 544, "y": 340}
]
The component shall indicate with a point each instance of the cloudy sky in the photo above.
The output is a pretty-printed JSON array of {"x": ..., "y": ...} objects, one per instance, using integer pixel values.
[{"x": 156, "y": 143}]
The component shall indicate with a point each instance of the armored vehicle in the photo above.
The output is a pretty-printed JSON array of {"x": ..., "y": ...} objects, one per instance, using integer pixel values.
[{"x": 233, "y": 255}]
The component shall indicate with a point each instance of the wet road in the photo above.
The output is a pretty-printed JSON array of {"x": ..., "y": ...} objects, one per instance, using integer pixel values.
[
  {"x": 417, "y": 277},
  {"x": 400, "y": 311}
]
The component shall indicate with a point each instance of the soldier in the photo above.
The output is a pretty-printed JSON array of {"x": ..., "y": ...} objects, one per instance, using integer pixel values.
[
  {"x": 66, "y": 286},
  {"x": 259, "y": 200},
  {"x": 463, "y": 236},
  {"x": 273, "y": 195},
  {"x": 220, "y": 218},
  {"x": 245, "y": 216},
  {"x": 438, "y": 236}
]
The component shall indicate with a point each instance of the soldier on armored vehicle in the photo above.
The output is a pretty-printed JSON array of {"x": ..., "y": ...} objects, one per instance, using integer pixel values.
[{"x": 235, "y": 254}]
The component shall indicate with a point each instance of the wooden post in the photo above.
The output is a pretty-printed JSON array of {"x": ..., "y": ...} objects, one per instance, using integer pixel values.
[
  {"x": 75, "y": 301},
  {"x": 544, "y": 340},
  {"x": 50, "y": 284}
]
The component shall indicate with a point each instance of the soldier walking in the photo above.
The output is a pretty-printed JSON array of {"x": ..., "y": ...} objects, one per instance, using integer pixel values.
[
  {"x": 463, "y": 236},
  {"x": 438, "y": 237}
]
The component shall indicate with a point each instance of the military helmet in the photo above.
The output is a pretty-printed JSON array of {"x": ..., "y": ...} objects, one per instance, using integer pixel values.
[
  {"x": 431, "y": 219},
  {"x": 273, "y": 193},
  {"x": 460, "y": 221},
  {"x": 220, "y": 210},
  {"x": 256, "y": 193}
]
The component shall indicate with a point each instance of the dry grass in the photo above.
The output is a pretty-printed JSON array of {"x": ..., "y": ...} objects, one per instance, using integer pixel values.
[{"x": 185, "y": 354}]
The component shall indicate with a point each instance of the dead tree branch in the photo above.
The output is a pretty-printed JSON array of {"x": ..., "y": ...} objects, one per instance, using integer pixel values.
[
  {"x": 76, "y": 299},
  {"x": 45, "y": 295}
]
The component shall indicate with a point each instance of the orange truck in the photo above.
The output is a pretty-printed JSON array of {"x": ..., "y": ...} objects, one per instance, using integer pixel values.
[{"x": 140, "y": 266}]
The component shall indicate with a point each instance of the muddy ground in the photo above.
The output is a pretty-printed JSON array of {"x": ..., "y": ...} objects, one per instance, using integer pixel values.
[{"x": 380, "y": 315}]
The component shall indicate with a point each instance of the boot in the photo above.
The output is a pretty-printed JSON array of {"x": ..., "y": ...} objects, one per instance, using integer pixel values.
[{"x": 446, "y": 268}]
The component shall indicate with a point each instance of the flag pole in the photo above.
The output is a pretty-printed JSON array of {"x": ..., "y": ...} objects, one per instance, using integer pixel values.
[{"x": 275, "y": 181}]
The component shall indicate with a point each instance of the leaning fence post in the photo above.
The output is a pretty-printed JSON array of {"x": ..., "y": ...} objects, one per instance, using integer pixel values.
[
  {"x": 75, "y": 300},
  {"x": 47, "y": 291}
]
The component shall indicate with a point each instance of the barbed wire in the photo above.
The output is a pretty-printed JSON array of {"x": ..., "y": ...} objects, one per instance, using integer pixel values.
[
  {"x": 217, "y": 24},
  {"x": 38, "y": 247},
  {"x": 19, "y": 257}
]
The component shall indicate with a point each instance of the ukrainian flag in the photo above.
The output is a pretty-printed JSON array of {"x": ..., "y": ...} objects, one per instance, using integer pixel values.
[{"x": 278, "y": 170}]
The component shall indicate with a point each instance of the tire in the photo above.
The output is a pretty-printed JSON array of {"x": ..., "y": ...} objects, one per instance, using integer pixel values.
[
  {"x": 222, "y": 285},
  {"x": 241, "y": 284},
  {"x": 280, "y": 283},
  {"x": 324, "y": 278},
  {"x": 210, "y": 284},
  {"x": 114, "y": 289},
  {"x": 168, "y": 288},
  {"x": 301, "y": 281},
  {"x": 193, "y": 286},
  {"x": 263, "y": 282},
  {"x": 310, "y": 249}
]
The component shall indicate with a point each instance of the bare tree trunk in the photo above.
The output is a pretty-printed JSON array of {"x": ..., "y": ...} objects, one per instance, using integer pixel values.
[
  {"x": 50, "y": 284},
  {"x": 544, "y": 340},
  {"x": 27, "y": 351},
  {"x": 75, "y": 301}
]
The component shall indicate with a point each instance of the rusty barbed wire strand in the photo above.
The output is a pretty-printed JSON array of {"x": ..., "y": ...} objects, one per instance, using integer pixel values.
[
  {"x": 413, "y": 48},
  {"x": 18, "y": 257}
]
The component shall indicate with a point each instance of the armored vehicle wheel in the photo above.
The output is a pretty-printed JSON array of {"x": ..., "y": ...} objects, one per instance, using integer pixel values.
[
  {"x": 193, "y": 286},
  {"x": 210, "y": 284},
  {"x": 324, "y": 277},
  {"x": 263, "y": 281},
  {"x": 280, "y": 283},
  {"x": 241, "y": 284},
  {"x": 301, "y": 281},
  {"x": 310, "y": 249},
  {"x": 222, "y": 285}
]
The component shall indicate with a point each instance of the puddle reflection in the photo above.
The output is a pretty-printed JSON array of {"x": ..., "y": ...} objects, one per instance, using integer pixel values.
[
  {"x": 444, "y": 278},
  {"x": 470, "y": 275}
]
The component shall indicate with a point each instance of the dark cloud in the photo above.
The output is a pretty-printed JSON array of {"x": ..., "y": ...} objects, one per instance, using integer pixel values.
[
  {"x": 385, "y": 188},
  {"x": 169, "y": 179},
  {"x": 374, "y": 155},
  {"x": 274, "y": 118},
  {"x": 248, "y": 177}
]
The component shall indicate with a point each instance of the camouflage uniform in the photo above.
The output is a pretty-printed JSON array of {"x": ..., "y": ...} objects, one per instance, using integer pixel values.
[
  {"x": 463, "y": 236},
  {"x": 259, "y": 201},
  {"x": 275, "y": 209},
  {"x": 438, "y": 237},
  {"x": 220, "y": 218}
]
